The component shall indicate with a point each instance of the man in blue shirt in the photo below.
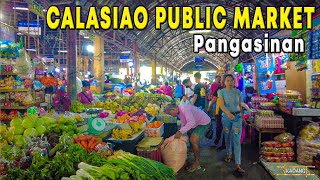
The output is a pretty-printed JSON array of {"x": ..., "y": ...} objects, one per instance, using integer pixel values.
[{"x": 178, "y": 90}]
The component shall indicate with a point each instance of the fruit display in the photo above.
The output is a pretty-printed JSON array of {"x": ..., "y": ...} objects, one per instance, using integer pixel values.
[
  {"x": 77, "y": 107},
  {"x": 152, "y": 109},
  {"x": 122, "y": 133},
  {"x": 122, "y": 118},
  {"x": 154, "y": 129},
  {"x": 138, "y": 101},
  {"x": 136, "y": 126}
]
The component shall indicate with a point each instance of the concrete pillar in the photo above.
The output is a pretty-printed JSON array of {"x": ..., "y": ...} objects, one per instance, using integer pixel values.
[
  {"x": 154, "y": 69},
  {"x": 98, "y": 61},
  {"x": 72, "y": 60}
]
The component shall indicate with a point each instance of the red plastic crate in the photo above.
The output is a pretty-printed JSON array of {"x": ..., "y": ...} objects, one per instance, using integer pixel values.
[{"x": 150, "y": 153}]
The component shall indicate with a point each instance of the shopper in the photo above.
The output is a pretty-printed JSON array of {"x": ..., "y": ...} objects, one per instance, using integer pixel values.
[
  {"x": 179, "y": 90},
  {"x": 194, "y": 122},
  {"x": 188, "y": 91},
  {"x": 214, "y": 86},
  {"x": 232, "y": 117},
  {"x": 167, "y": 90},
  {"x": 214, "y": 108},
  {"x": 85, "y": 96},
  {"x": 199, "y": 96}
]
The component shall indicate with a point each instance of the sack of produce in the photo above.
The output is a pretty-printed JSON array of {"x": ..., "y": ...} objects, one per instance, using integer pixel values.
[
  {"x": 284, "y": 137},
  {"x": 174, "y": 152}
]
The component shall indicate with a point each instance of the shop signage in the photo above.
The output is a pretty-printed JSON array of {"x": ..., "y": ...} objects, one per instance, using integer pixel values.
[
  {"x": 199, "y": 59},
  {"x": 125, "y": 59},
  {"x": 265, "y": 71},
  {"x": 36, "y": 7},
  {"x": 33, "y": 26},
  {"x": 199, "y": 67}
]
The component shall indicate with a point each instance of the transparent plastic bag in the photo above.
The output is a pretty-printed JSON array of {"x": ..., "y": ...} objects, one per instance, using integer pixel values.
[
  {"x": 23, "y": 65},
  {"x": 310, "y": 132},
  {"x": 284, "y": 137}
]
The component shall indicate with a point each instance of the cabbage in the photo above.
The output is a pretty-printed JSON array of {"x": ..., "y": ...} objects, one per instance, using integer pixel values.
[
  {"x": 31, "y": 132},
  {"x": 19, "y": 140},
  {"x": 40, "y": 130},
  {"x": 15, "y": 121},
  {"x": 16, "y": 130},
  {"x": 48, "y": 120},
  {"x": 38, "y": 121},
  {"x": 28, "y": 122}
]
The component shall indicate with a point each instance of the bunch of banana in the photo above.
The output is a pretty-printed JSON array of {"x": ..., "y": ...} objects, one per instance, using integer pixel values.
[
  {"x": 77, "y": 107},
  {"x": 122, "y": 133},
  {"x": 136, "y": 126}
]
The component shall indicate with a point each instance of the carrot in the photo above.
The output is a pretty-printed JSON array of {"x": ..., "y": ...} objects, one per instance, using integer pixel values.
[
  {"x": 94, "y": 145},
  {"x": 84, "y": 144},
  {"x": 92, "y": 142},
  {"x": 82, "y": 138},
  {"x": 89, "y": 138}
]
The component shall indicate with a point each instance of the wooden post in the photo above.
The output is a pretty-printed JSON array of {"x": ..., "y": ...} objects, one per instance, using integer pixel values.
[
  {"x": 98, "y": 61},
  {"x": 72, "y": 60}
]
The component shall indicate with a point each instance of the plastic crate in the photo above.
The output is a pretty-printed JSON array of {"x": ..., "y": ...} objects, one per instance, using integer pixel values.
[
  {"x": 166, "y": 119},
  {"x": 155, "y": 132},
  {"x": 153, "y": 153}
]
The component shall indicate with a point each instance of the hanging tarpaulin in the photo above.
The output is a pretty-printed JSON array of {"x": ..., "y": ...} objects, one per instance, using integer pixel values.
[{"x": 265, "y": 68}]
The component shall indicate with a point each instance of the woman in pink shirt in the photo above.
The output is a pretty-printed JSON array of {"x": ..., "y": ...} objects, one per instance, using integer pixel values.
[
  {"x": 193, "y": 121},
  {"x": 167, "y": 89},
  {"x": 85, "y": 96}
]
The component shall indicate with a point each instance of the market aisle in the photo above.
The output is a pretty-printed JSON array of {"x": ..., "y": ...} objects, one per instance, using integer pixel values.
[{"x": 216, "y": 168}]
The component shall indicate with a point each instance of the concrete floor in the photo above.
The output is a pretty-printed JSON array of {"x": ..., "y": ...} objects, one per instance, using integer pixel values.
[{"x": 213, "y": 166}]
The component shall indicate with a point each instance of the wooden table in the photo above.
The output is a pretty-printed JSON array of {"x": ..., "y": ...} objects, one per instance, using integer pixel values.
[{"x": 267, "y": 130}]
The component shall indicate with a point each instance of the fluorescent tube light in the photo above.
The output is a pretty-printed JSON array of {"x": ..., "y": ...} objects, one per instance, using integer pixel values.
[
  {"x": 21, "y": 8},
  {"x": 34, "y": 50},
  {"x": 125, "y": 52},
  {"x": 199, "y": 31},
  {"x": 63, "y": 51},
  {"x": 86, "y": 37}
]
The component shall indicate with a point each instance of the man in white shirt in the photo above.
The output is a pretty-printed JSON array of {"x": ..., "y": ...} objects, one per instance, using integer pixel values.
[{"x": 189, "y": 91}]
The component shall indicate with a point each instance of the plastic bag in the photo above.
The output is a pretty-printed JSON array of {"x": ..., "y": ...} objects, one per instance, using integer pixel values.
[
  {"x": 277, "y": 144},
  {"x": 23, "y": 65},
  {"x": 284, "y": 137},
  {"x": 277, "y": 150},
  {"x": 278, "y": 159},
  {"x": 309, "y": 132},
  {"x": 174, "y": 152},
  {"x": 272, "y": 154}
]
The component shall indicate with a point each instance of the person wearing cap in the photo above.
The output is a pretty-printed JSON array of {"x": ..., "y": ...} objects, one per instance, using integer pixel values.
[
  {"x": 194, "y": 122},
  {"x": 85, "y": 96}
]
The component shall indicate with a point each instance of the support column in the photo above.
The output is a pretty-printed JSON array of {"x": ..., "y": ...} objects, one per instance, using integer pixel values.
[
  {"x": 137, "y": 65},
  {"x": 72, "y": 59},
  {"x": 154, "y": 69},
  {"x": 98, "y": 61}
]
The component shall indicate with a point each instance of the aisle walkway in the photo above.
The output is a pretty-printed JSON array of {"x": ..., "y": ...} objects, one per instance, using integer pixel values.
[{"x": 215, "y": 168}]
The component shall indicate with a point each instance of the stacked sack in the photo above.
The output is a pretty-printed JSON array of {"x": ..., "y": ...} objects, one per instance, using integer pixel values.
[
  {"x": 279, "y": 150},
  {"x": 308, "y": 144}
]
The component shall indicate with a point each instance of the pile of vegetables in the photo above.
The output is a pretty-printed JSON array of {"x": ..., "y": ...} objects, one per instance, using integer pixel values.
[
  {"x": 63, "y": 164},
  {"x": 155, "y": 124},
  {"x": 89, "y": 143},
  {"x": 125, "y": 166}
]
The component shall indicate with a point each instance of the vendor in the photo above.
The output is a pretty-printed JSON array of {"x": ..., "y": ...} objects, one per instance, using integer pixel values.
[
  {"x": 195, "y": 122},
  {"x": 85, "y": 96}
]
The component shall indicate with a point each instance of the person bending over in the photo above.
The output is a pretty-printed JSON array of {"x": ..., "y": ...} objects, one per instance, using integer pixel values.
[{"x": 195, "y": 122}]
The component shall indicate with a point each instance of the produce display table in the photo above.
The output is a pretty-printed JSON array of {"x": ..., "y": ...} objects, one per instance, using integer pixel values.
[
  {"x": 267, "y": 131},
  {"x": 128, "y": 145}
]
